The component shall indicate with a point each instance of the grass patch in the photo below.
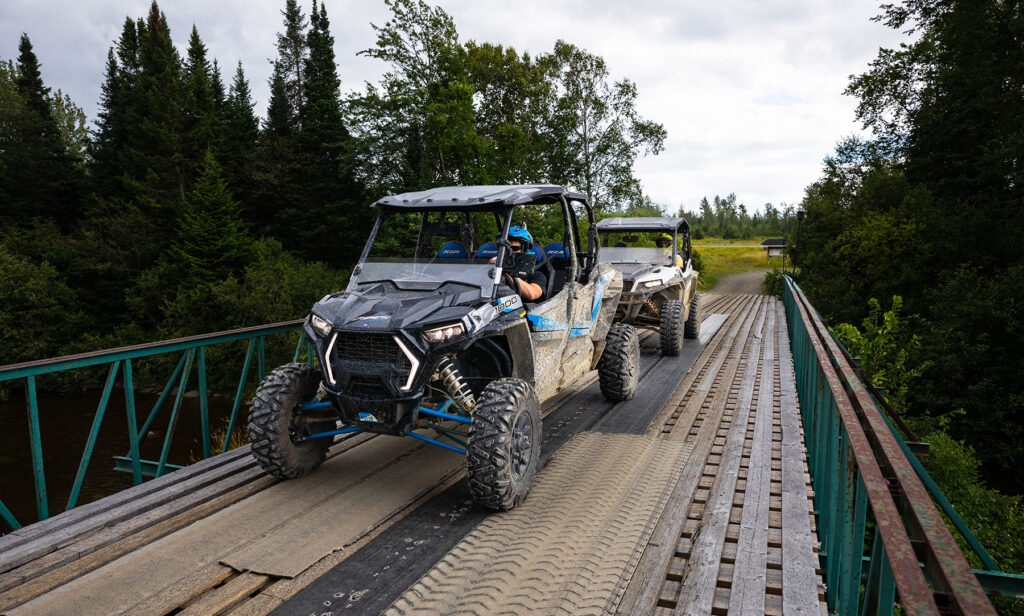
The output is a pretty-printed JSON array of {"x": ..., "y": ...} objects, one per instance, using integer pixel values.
[
  {"x": 718, "y": 262},
  {"x": 718, "y": 241}
]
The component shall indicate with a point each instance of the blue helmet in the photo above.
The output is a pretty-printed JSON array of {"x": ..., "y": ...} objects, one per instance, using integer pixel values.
[{"x": 521, "y": 234}]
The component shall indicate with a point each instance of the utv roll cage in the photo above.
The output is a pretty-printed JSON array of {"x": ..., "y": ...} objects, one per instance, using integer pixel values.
[
  {"x": 675, "y": 227},
  {"x": 501, "y": 200}
]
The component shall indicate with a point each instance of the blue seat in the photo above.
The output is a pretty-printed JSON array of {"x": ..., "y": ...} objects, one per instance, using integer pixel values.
[
  {"x": 559, "y": 258},
  {"x": 487, "y": 251},
  {"x": 452, "y": 250},
  {"x": 557, "y": 254}
]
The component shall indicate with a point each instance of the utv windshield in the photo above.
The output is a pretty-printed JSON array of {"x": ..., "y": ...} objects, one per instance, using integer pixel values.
[
  {"x": 419, "y": 250},
  {"x": 638, "y": 248}
]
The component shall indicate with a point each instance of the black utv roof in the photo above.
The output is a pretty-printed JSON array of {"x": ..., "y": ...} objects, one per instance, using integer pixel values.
[
  {"x": 642, "y": 223},
  {"x": 480, "y": 196}
]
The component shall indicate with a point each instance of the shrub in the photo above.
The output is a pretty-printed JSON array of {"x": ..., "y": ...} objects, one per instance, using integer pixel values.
[{"x": 772, "y": 284}]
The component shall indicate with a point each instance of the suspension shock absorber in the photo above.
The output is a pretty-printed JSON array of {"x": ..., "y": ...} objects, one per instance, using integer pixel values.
[{"x": 455, "y": 385}]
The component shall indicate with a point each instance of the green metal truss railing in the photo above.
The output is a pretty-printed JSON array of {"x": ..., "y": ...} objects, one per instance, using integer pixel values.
[
  {"x": 870, "y": 490},
  {"x": 193, "y": 354}
]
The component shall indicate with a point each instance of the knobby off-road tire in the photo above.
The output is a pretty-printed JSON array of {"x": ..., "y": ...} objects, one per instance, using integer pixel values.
[
  {"x": 270, "y": 422},
  {"x": 693, "y": 320},
  {"x": 504, "y": 444},
  {"x": 619, "y": 366},
  {"x": 671, "y": 328}
]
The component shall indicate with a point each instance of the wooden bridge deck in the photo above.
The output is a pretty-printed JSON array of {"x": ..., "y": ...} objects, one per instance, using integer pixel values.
[{"x": 692, "y": 498}]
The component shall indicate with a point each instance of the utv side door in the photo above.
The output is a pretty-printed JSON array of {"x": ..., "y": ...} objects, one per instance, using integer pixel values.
[
  {"x": 582, "y": 290},
  {"x": 549, "y": 328}
]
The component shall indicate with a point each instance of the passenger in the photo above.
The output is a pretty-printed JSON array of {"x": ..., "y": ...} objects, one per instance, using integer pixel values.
[
  {"x": 665, "y": 241},
  {"x": 531, "y": 288}
]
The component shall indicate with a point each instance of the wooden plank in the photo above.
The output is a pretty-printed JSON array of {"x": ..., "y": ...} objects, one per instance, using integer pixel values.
[
  {"x": 661, "y": 383},
  {"x": 179, "y": 593},
  {"x": 122, "y": 498},
  {"x": 645, "y": 589},
  {"x": 191, "y": 505},
  {"x": 151, "y": 568},
  {"x": 260, "y": 605},
  {"x": 223, "y": 597},
  {"x": 293, "y": 546},
  {"x": 62, "y": 529},
  {"x": 748, "y": 588},
  {"x": 698, "y": 587},
  {"x": 58, "y": 533},
  {"x": 799, "y": 582},
  {"x": 37, "y": 586}
]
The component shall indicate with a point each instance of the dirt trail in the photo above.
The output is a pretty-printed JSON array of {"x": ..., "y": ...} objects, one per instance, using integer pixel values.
[{"x": 747, "y": 282}]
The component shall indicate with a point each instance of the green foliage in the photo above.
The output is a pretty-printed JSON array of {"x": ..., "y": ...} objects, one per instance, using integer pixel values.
[
  {"x": 600, "y": 133},
  {"x": 478, "y": 113},
  {"x": 696, "y": 260},
  {"x": 773, "y": 283},
  {"x": 726, "y": 218},
  {"x": 201, "y": 127},
  {"x": 888, "y": 353},
  {"x": 212, "y": 243},
  {"x": 995, "y": 519},
  {"x": 975, "y": 330},
  {"x": 929, "y": 209},
  {"x": 38, "y": 312},
  {"x": 238, "y": 154},
  {"x": 70, "y": 120},
  {"x": 276, "y": 286},
  {"x": 42, "y": 177}
]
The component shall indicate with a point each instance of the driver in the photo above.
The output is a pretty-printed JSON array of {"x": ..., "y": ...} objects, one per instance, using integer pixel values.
[
  {"x": 531, "y": 288},
  {"x": 665, "y": 241}
]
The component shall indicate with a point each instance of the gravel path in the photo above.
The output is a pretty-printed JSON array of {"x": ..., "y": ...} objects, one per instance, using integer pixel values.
[{"x": 747, "y": 282}]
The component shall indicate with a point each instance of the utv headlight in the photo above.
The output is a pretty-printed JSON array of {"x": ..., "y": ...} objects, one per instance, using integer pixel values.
[
  {"x": 445, "y": 332},
  {"x": 653, "y": 283},
  {"x": 320, "y": 325}
]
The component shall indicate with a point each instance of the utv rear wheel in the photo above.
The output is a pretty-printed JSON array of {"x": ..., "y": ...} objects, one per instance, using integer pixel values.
[
  {"x": 671, "y": 329},
  {"x": 693, "y": 320},
  {"x": 618, "y": 367},
  {"x": 273, "y": 431},
  {"x": 504, "y": 444}
]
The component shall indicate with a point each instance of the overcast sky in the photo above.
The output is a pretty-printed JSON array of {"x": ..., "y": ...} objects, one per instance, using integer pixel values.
[{"x": 749, "y": 91}]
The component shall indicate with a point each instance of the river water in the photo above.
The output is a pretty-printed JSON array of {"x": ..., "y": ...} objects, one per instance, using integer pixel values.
[{"x": 65, "y": 421}]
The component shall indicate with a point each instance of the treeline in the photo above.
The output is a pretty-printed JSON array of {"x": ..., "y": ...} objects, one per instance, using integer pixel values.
[
  {"x": 180, "y": 211},
  {"x": 931, "y": 208},
  {"x": 725, "y": 218}
]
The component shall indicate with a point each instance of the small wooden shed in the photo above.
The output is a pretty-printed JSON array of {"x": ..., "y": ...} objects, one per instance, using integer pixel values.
[{"x": 775, "y": 248}]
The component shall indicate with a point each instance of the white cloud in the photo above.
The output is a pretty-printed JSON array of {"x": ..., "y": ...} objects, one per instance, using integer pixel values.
[{"x": 750, "y": 91}]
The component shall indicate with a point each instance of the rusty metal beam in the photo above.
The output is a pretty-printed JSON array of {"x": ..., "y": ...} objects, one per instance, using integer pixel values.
[{"x": 912, "y": 529}]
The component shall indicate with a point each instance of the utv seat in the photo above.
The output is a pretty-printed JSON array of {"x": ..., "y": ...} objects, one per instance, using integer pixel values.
[
  {"x": 559, "y": 259},
  {"x": 452, "y": 250},
  {"x": 488, "y": 250}
]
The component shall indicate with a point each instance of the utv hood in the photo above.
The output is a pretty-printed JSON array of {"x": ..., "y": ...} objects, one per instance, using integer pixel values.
[{"x": 385, "y": 307}]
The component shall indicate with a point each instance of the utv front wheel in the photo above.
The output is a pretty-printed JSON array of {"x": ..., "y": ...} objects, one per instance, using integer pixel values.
[
  {"x": 693, "y": 320},
  {"x": 618, "y": 368},
  {"x": 671, "y": 328},
  {"x": 504, "y": 444},
  {"x": 273, "y": 431}
]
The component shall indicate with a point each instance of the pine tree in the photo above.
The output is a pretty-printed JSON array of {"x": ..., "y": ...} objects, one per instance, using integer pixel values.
[
  {"x": 160, "y": 177},
  {"x": 325, "y": 223},
  {"x": 291, "y": 53},
  {"x": 280, "y": 114},
  {"x": 212, "y": 242},
  {"x": 116, "y": 116},
  {"x": 42, "y": 177},
  {"x": 201, "y": 125},
  {"x": 239, "y": 150},
  {"x": 278, "y": 166}
]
